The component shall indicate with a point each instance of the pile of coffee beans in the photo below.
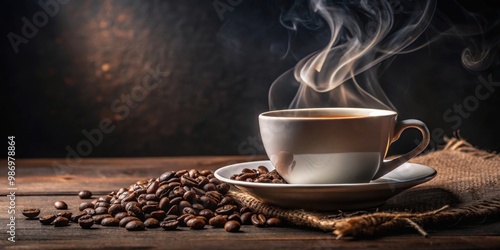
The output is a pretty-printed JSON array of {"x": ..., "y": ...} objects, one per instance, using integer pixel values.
[
  {"x": 185, "y": 198},
  {"x": 261, "y": 174}
]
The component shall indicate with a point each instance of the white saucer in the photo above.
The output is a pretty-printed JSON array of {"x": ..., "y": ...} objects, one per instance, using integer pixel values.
[{"x": 329, "y": 197}]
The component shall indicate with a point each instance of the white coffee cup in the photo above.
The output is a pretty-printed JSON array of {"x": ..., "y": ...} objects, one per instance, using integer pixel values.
[{"x": 334, "y": 145}]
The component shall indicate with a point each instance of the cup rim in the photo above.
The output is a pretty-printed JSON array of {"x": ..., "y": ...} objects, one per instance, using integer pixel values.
[{"x": 362, "y": 113}]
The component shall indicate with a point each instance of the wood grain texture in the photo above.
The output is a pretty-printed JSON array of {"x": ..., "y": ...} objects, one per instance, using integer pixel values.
[{"x": 39, "y": 187}]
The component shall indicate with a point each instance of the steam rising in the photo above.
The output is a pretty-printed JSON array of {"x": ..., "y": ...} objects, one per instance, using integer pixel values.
[{"x": 345, "y": 72}]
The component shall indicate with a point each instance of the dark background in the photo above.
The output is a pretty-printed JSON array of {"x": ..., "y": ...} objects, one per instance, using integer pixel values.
[{"x": 216, "y": 73}]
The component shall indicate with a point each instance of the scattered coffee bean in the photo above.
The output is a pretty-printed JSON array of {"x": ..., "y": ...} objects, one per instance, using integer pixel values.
[
  {"x": 31, "y": 212},
  {"x": 89, "y": 211},
  {"x": 273, "y": 222},
  {"x": 246, "y": 218},
  {"x": 99, "y": 217},
  {"x": 232, "y": 226},
  {"x": 196, "y": 223},
  {"x": 86, "y": 221},
  {"x": 217, "y": 221},
  {"x": 135, "y": 225},
  {"x": 258, "y": 220},
  {"x": 121, "y": 215},
  {"x": 177, "y": 198},
  {"x": 226, "y": 209},
  {"x": 85, "y": 194},
  {"x": 235, "y": 217},
  {"x": 60, "y": 221},
  {"x": 115, "y": 208},
  {"x": 124, "y": 221},
  {"x": 77, "y": 216},
  {"x": 65, "y": 214},
  {"x": 60, "y": 205},
  {"x": 169, "y": 225},
  {"x": 101, "y": 210},
  {"x": 110, "y": 222},
  {"x": 85, "y": 205},
  {"x": 151, "y": 223},
  {"x": 47, "y": 219}
]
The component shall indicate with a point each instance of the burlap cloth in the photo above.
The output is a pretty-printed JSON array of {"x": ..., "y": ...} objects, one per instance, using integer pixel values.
[{"x": 466, "y": 188}]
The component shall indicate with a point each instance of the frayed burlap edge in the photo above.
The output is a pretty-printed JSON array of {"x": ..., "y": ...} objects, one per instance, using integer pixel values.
[{"x": 380, "y": 223}]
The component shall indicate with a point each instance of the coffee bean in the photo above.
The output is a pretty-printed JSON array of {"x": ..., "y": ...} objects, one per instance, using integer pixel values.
[
  {"x": 232, "y": 226},
  {"x": 208, "y": 202},
  {"x": 110, "y": 222},
  {"x": 89, "y": 211},
  {"x": 181, "y": 173},
  {"x": 209, "y": 187},
  {"x": 183, "y": 219},
  {"x": 121, "y": 215},
  {"x": 77, "y": 216},
  {"x": 226, "y": 200},
  {"x": 169, "y": 225},
  {"x": 134, "y": 208},
  {"x": 60, "y": 205},
  {"x": 215, "y": 181},
  {"x": 196, "y": 223},
  {"x": 217, "y": 221},
  {"x": 223, "y": 188},
  {"x": 273, "y": 222},
  {"x": 86, "y": 221},
  {"x": 124, "y": 221},
  {"x": 189, "y": 196},
  {"x": 262, "y": 170},
  {"x": 85, "y": 194},
  {"x": 164, "y": 203},
  {"x": 135, "y": 225},
  {"x": 244, "y": 210},
  {"x": 85, "y": 205},
  {"x": 101, "y": 210},
  {"x": 235, "y": 217},
  {"x": 258, "y": 220},
  {"x": 205, "y": 172},
  {"x": 226, "y": 209},
  {"x": 151, "y": 223},
  {"x": 99, "y": 217},
  {"x": 152, "y": 187},
  {"x": 171, "y": 217},
  {"x": 149, "y": 208},
  {"x": 166, "y": 176},
  {"x": 115, "y": 208},
  {"x": 188, "y": 181},
  {"x": 65, "y": 214},
  {"x": 60, "y": 221},
  {"x": 193, "y": 173},
  {"x": 129, "y": 198},
  {"x": 47, "y": 219},
  {"x": 31, "y": 212},
  {"x": 198, "y": 191},
  {"x": 175, "y": 201},
  {"x": 158, "y": 214},
  {"x": 189, "y": 210},
  {"x": 101, "y": 204},
  {"x": 246, "y": 218},
  {"x": 207, "y": 213},
  {"x": 173, "y": 210},
  {"x": 151, "y": 197},
  {"x": 106, "y": 198}
]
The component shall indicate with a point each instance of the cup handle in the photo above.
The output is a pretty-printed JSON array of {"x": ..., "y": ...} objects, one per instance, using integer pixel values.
[{"x": 389, "y": 165}]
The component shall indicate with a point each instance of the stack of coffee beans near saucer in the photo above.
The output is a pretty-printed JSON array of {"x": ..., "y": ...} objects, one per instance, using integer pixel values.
[{"x": 185, "y": 198}]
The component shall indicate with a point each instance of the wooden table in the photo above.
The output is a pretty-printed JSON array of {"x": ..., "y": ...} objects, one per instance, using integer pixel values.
[{"x": 39, "y": 186}]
